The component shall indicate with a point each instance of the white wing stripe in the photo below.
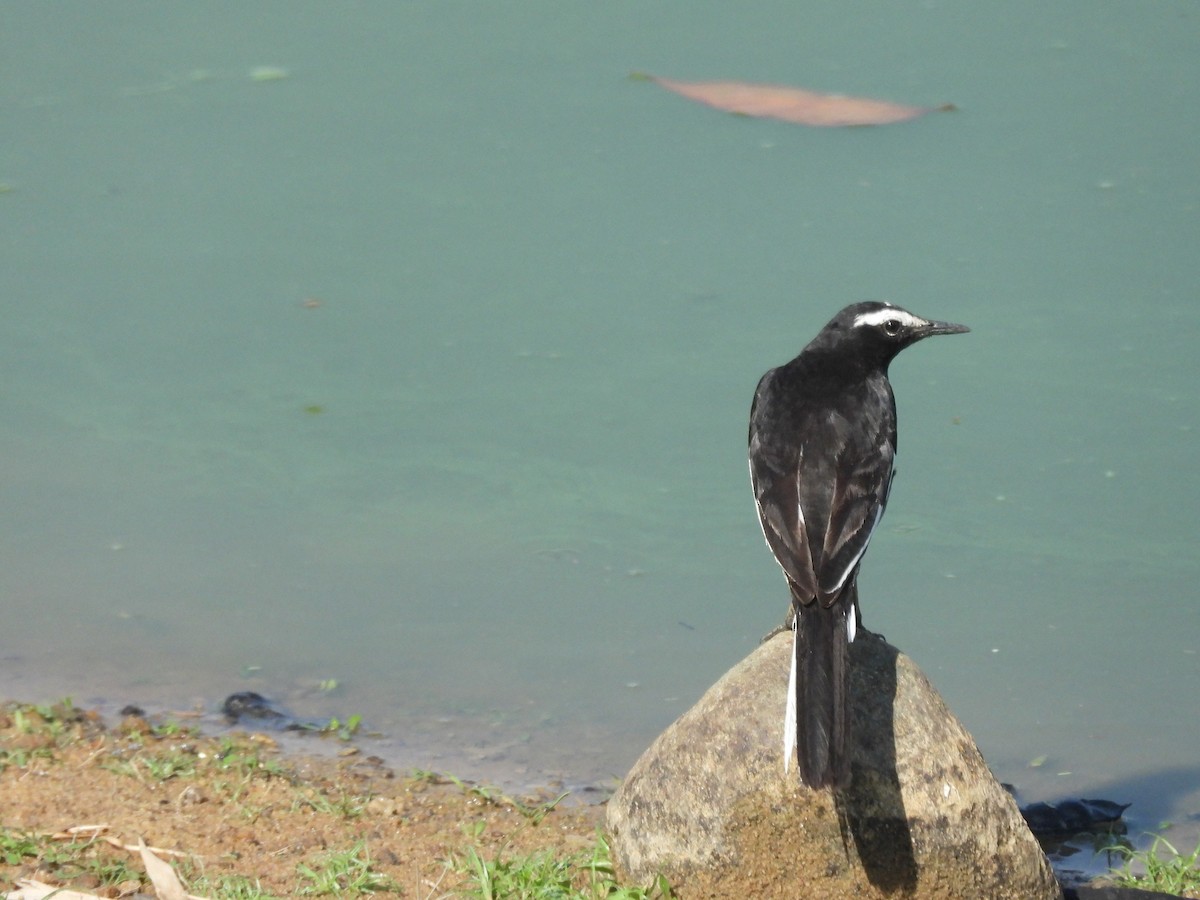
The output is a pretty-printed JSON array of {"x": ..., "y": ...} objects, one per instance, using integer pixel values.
[{"x": 857, "y": 556}]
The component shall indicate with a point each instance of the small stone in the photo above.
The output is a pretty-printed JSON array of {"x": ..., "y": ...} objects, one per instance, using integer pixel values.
[
  {"x": 135, "y": 725},
  {"x": 382, "y": 806}
]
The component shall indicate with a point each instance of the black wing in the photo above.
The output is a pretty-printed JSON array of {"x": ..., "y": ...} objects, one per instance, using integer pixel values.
[
  {"x": 861, "y": 487},
  {"x": 836, "y": 496},
  {"x": 775, "y": 476}
]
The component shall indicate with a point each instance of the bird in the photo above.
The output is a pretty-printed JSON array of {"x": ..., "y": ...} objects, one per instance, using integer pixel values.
[{"x": 822, "y": 451}]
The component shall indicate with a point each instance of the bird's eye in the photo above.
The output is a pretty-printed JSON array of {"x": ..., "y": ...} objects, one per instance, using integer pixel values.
[{"x": 892, "y": 327}]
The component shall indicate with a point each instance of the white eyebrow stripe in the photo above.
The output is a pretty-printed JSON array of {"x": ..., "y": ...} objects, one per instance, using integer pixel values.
[{"x": 879, "y": 316}]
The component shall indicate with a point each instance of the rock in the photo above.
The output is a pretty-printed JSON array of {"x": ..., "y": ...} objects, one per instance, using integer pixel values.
[{"x": 708, "y": 804}]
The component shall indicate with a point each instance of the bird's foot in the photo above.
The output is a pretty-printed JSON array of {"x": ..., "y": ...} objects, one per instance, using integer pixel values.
[
  {"x": 788, "y": 625},
  {"x": 774, "y": 631}
]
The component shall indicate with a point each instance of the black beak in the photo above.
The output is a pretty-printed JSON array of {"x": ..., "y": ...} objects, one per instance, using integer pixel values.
[{"x": 943, "y": 328}]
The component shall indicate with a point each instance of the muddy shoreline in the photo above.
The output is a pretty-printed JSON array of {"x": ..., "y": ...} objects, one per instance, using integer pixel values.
[{"x": 225, "y": 807}]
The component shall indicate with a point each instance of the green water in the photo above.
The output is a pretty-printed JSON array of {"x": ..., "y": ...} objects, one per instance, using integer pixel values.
[{"x": 421, "y": 361}]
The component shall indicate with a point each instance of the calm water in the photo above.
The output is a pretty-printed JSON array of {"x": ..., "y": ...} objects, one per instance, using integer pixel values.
[{"x": 421, "y": 362}]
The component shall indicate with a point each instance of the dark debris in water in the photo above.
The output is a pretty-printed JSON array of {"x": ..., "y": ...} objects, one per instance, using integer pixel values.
[
  {"x": 250, "y": 705},
  {"x": 1070, "y": 817}
]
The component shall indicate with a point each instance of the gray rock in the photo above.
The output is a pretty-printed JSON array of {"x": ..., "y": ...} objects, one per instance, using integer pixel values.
[{"x": 708, "y": 804}]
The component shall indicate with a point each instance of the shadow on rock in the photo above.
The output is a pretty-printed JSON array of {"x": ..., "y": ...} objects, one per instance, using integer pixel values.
[{"x": 872, "y": 809}]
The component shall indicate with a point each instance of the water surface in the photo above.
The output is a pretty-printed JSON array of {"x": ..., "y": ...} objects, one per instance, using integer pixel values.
[{"x": 420, "y": 362}]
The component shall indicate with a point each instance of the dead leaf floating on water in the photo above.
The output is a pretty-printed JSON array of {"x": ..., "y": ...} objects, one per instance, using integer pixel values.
[{"x": 790, "y": 104}]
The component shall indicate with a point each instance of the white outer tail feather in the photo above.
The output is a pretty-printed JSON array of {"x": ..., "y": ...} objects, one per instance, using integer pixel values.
[{"x": 789, "y": 716}]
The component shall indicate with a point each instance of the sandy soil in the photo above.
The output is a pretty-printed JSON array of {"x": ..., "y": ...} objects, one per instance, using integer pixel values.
[{"x": 221, "y": 807}]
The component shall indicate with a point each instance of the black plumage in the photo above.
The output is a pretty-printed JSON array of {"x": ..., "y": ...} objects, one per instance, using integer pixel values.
[{"x": 822, "y": 452}]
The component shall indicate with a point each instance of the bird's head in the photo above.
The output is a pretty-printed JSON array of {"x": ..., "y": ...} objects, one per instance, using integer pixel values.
[{"x": 874, "y": 331}]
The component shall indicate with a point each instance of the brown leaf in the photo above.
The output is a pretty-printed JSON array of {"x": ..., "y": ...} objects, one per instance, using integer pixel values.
[
  {"x": 166, "y": 883},
  {"x": 791, "y": 104},
  {"x": 29, "y": 889}
]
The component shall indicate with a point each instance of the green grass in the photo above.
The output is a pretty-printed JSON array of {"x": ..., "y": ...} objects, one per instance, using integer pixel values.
[
  {"x": 67, "y": 859},
  {"x": 20, "y": 758},
  {"x": 343, "y": 872},
  {"x": 50, "y": 726},
  {"x": 494, "y": 796},
  {"x": 228, "y": 887},
  {"x": 240, "y": 758},
  {"x": 1148, "y": 870},
  {"x": 146, "y": 767},
  {"x": 51, "y": 720},
  {"x": 542, "y": 876},
  {"x": 150, "y": 763},
  {"x": 16, "y": 846},
  {"x": 345, "y": 805},
  {"x": 73, "y": 859},
  {"x": 171, "y": 728},
  {"x": 335, "y": 727}
]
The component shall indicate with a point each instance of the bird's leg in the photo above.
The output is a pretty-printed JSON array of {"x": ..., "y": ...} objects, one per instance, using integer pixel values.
[
  {"x": 789, "y": 624},
  {"x": 778, "y": 629},
  {"x": 862, "y": 629}
]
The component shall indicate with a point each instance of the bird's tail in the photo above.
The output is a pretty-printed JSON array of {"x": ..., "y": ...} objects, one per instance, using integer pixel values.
[{"x": 817, "y": 725}]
